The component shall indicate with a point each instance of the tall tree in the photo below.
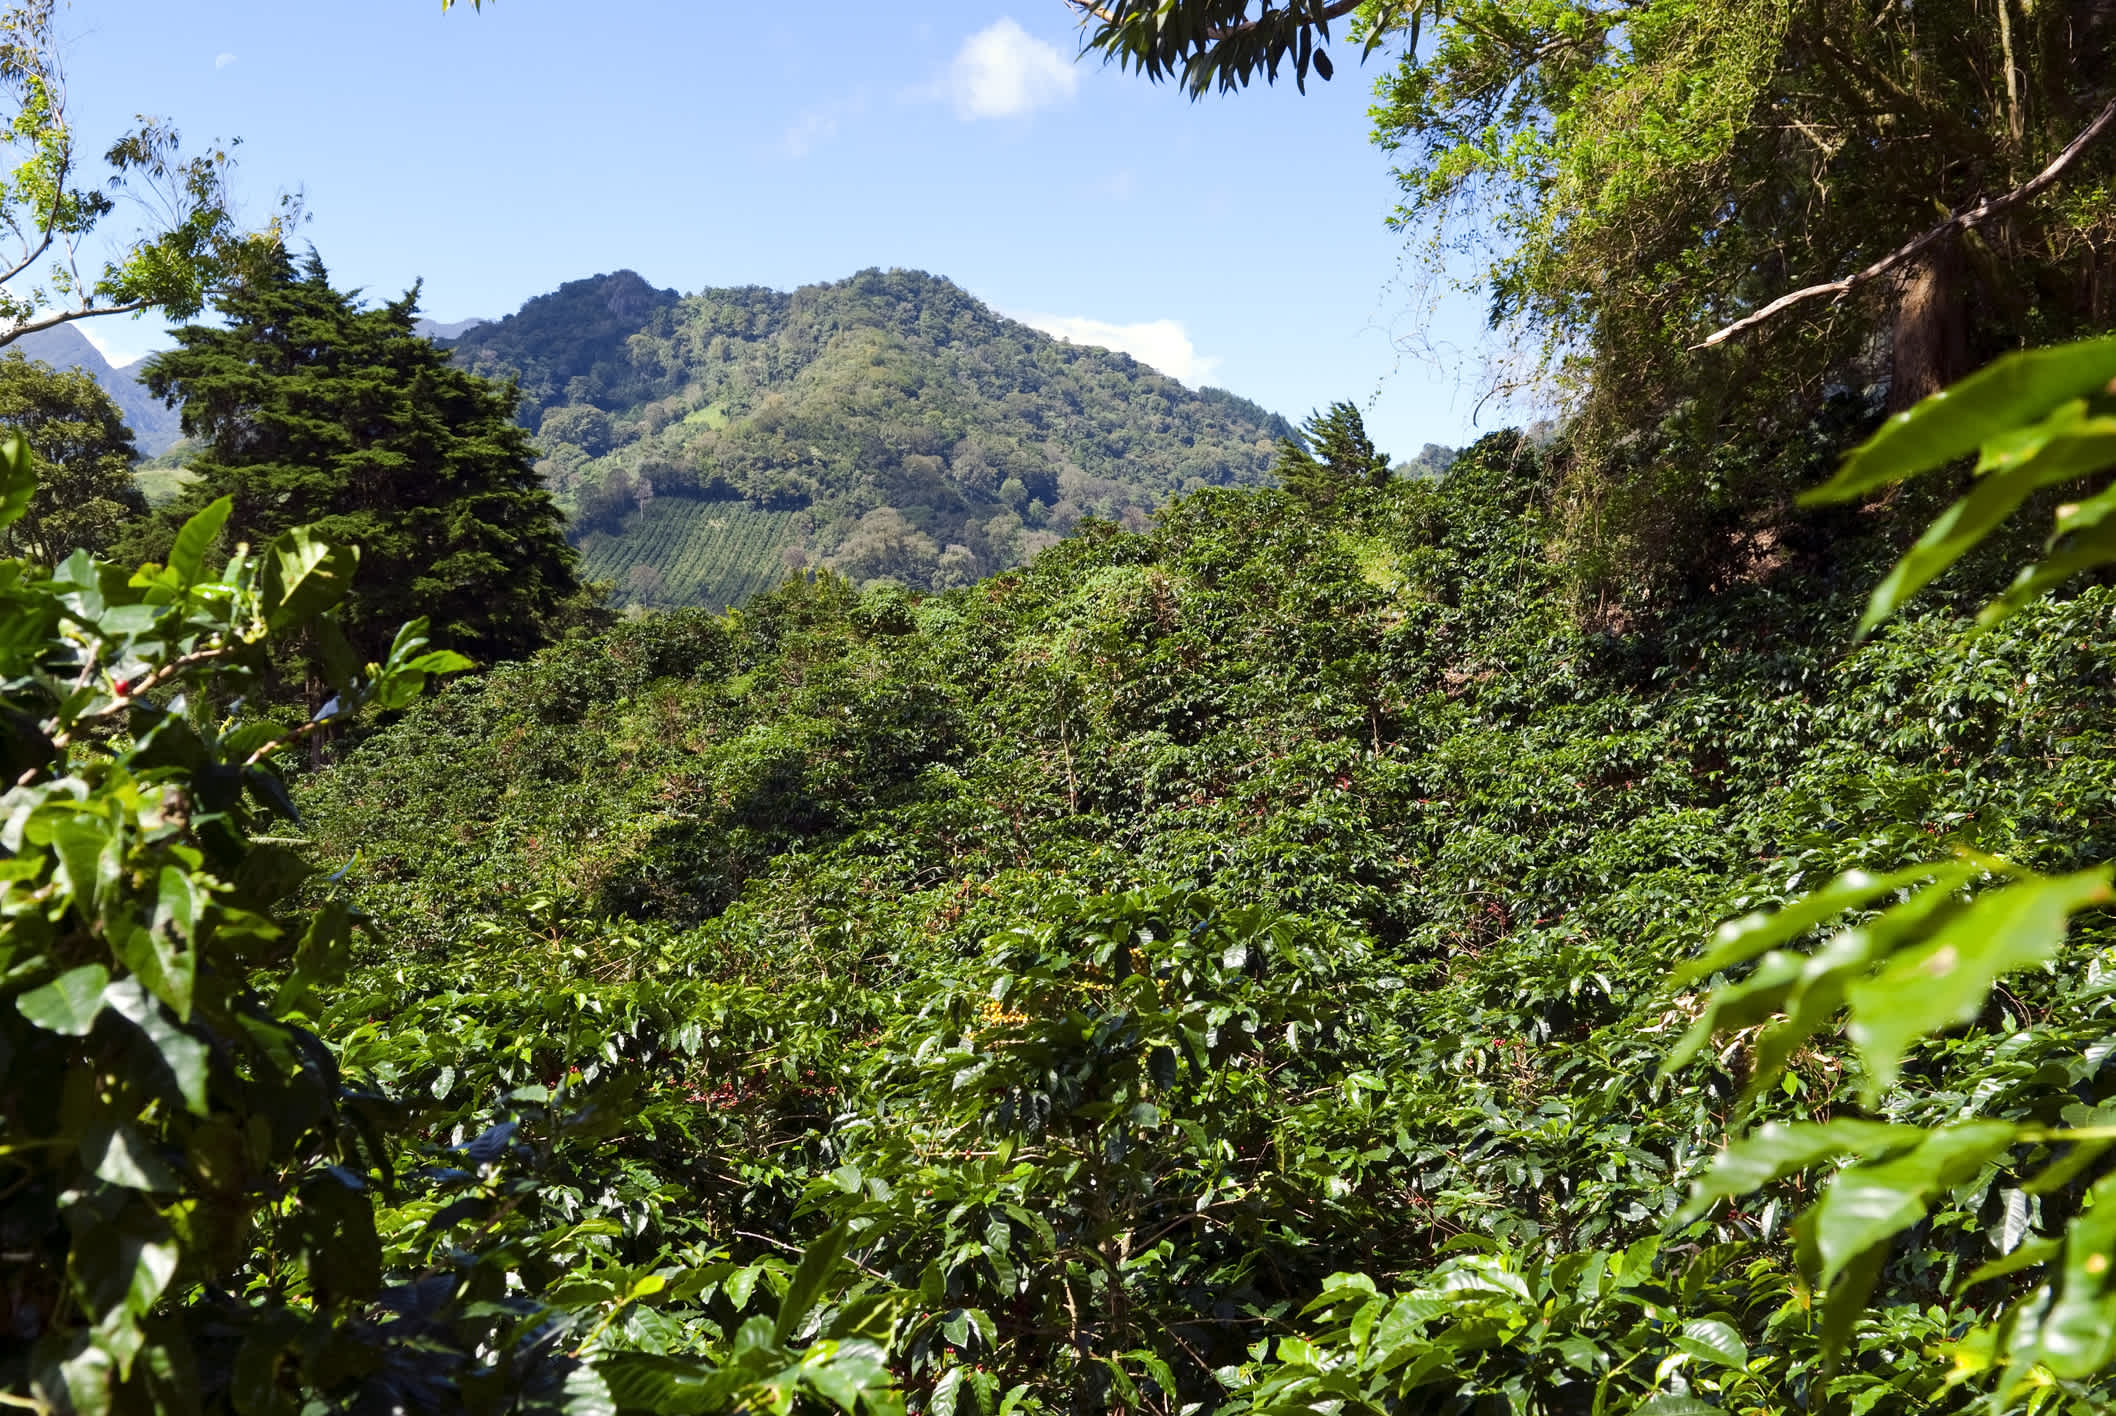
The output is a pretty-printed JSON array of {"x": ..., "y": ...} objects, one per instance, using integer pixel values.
[
  {"x": 1333, "y": 455},
  {"x": 85, "y": 497},
  {"x": 1713, "y": 217},
  {"x": 55, "y": 208},
  {"x": 315, "y": 410}
]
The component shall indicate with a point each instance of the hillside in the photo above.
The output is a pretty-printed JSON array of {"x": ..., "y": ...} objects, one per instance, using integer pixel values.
[
  {"x": 1127, "y": 944},
  {"x": 155, "y": 427},
  {"x": 917, "y": 435}
]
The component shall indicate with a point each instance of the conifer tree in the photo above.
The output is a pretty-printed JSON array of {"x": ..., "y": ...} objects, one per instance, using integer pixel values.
[
  {"x": 314, "y": 410},
  {"x": 1332, "y": 455}
]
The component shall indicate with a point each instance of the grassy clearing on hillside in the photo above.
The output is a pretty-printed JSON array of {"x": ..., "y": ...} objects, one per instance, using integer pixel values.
[
  {"x": 161, "y": 485},
  {"x": 683, "y": 552}
]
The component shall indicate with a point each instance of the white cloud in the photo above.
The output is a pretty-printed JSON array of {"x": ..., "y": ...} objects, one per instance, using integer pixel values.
[
  {"x": 1004, "y": 71},
  {"x": 222, "y": 61},
  {"x": 811, "y": 129},
  {"x": 122, "y": 341},
  {"x": 1162, "y": 344}
]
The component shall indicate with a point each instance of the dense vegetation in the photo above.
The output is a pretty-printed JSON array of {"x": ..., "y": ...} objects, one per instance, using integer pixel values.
[
  {"x": 86, "y": 497},
  {"x": 1125, "y": 945},
  {"x": 1288, "y": 953},
  {"x": 921, "y": 437},
  {"x": 1923, "y": 186}
]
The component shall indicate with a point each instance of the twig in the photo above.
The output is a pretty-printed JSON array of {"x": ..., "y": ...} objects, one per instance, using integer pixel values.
[
  {"x": 796, "y": 1249},
  {"x": 1961, "y": 221}
]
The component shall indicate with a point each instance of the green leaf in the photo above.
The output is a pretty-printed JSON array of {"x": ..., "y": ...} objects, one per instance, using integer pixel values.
[
  {"x": 1739, "y": 1005},
  {"x": 1943, "y": 981},
  {"x": 1671, "y": 1405},
  {"x": 2077, "y": 1336},
  {"x": 945, "y": 1391},
  {"x": 2090, "y": 550},
  {"x": 1714, "y": 1340},
  {"x": 1740, "y": 940},
  {"x": 1776, "y": 1150},
  {"x": 740, "y": 1284},
  {"x": 303, "y": 577},
  {"x": 123, "y": 1264},
  {"x": 337, "y": 1225},
  {"x": 2004, "y": 395},
  {"x": 184, "y": 1055},
  {"x": 586, "y": 1394},
  {"x": 68, "y": 1005},
  {"x": 1817, "y": 994},
  {"x": 667, "y": 1386},
  {"x": 80, "y": 842},
  {"x": 2027, "y": 1256},
  {"x": 439, "y": 661},
  {"x": 817, "y": 1264},
  {"x": 1951, "y": 536},
  {"x": 115, "y": 1152},
  {"x": 87, "y": 1374},
  {"x": 1845, "y": 1301},
  {"x": 18, "y": 479},
  {"x": 1871, "y": 1203},
  {"x": 187, "y": 557}
]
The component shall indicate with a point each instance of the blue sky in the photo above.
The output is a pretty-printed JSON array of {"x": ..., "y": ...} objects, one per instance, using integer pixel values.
[{"x": 1240, "y": 242}]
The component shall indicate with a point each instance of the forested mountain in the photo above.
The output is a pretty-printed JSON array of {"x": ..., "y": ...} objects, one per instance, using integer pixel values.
[
  {"x": 888, "y": 426},
  {"x": 155, "y": 426}
]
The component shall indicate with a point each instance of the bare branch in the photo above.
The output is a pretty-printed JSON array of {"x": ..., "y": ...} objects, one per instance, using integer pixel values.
[
  {"x": 33, "y": 256},
  {"x": 1961, "y": 221},
  {"x": 58, "y": 317}
]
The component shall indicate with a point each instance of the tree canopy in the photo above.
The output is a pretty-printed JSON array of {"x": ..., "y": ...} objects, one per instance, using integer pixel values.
[
  {"x": 311, "y": 409},
  {"x": 56, "y": 211},
  {"x": 1332, "y": 456},
  {"x": 82, "y": 455},
  {"x": 1629, "y": 180}
]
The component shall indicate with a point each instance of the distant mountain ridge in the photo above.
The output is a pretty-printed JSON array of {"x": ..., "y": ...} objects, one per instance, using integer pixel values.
[
  {"x": 892, "y": 426},
  {"x": 453, "y": 329},
  {"x": 155, "y": 426}
]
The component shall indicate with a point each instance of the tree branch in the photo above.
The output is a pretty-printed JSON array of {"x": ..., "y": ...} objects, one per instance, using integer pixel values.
[
  {"x": 59, "y": 317},
  {"x": 1961, "y": 221},
  {"x": 1335, "y": 11}
]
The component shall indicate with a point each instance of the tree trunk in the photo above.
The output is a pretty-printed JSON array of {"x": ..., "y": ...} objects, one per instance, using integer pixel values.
[{"x": 1932, "y": 327}]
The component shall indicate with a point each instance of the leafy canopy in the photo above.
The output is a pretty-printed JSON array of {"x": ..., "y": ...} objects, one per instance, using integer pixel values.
[
  {"x": 55, "y": 210},
  {"x": 86, "y": 497},
  {"x": 312, "y": 410}
]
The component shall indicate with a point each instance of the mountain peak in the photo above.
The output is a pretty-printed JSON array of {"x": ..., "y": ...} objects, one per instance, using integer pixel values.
[
  {"x": 155, "y": 426},
  {"x": 889, "y": 425}
]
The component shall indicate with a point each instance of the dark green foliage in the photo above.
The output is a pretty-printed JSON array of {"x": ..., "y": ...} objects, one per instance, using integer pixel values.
[
  {"x": 1332, "y": 456},
  {"x": 205, "y": 1207},
  {"x": 918, "y": 436},
  {"x": 85, "y": 497},
  {"x": 1134, "y": 949},
  {"x": 154, "y": 426},
  {"x": 311, "y": 410}
]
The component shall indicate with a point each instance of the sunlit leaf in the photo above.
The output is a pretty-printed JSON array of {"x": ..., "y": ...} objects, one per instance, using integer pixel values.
[
  {"x": 1872, "y": 1202},
  {"x": 187, "y": 556},
  {"x": 18, "y": 479},
  {"x": 1943, "y": 981},
  {"x": 2006, "y": 394},
  {"x": 68, "y": 1005}
]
